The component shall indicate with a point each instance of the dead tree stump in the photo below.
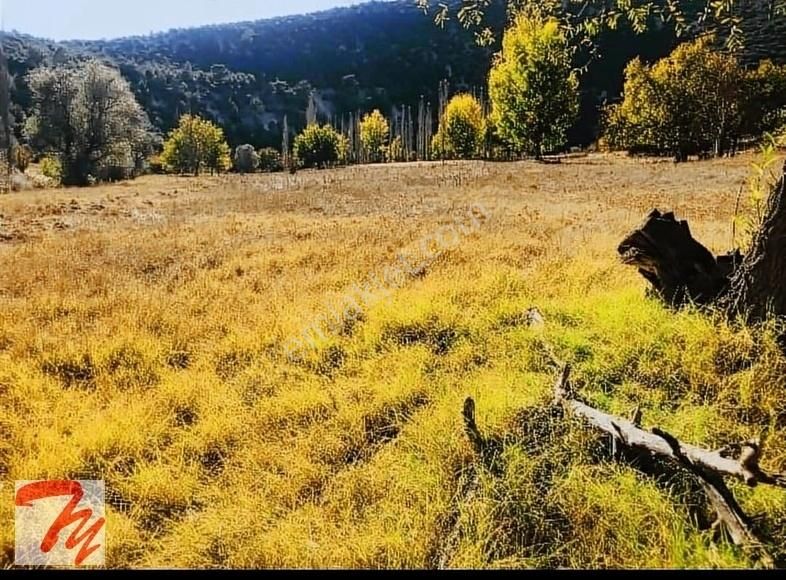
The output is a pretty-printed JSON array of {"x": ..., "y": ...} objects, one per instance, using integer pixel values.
[{"x": 681, "y": 270}]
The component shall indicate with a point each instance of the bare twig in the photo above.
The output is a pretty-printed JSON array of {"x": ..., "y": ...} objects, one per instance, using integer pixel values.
[{"x": 471, "y": 428}]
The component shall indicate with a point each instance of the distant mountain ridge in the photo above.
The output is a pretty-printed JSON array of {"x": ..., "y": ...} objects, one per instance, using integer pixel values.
[{"x": 247, "y": 76}]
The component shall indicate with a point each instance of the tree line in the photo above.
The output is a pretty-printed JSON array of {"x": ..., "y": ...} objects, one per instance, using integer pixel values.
[{"x": 697, "y": 101}]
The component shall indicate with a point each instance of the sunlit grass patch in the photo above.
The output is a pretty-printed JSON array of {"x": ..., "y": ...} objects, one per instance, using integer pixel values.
[{"x": 157, "y": 359}]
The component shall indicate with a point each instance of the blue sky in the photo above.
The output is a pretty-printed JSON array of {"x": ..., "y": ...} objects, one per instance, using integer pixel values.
[{"x": 91, "y": 19}]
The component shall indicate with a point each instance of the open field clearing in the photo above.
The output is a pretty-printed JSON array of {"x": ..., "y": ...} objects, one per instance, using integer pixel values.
[{"x": 146, "y": 332}]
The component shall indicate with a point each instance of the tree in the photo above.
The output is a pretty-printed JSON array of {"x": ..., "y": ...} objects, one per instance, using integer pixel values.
[
  {"x": 695, "y": 101},
  {"x": 319, "y": 146},
  {"x": 87, "y": 116},
  {"x": 765, "y": 106},
  {"x": 196, "y": 144},
  {"x": 374, "y": 135},
  {"x": 461, "y": 129},
  {"x": 533, "y": 88},
  {"x": 246, "y": 159}
]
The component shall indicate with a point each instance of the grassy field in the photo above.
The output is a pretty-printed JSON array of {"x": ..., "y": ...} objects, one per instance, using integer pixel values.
[{"x": 146, "y": 334}]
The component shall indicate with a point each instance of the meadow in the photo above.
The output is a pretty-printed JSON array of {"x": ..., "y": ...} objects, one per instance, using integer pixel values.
[{"x": 143, "y": 341}]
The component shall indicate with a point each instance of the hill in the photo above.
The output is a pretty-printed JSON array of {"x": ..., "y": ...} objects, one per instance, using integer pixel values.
[{"x": 247, "y": 76}]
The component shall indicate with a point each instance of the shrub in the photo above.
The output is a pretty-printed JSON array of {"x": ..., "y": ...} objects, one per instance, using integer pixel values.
[
  {"x": 20, "y": 182},
  {"x": 461, "y": 129},
  {"x": 246, "y": 159},
  {"x": 533, "y": 88},
  {"x": 320, "y": 146},
  {"x": 51, "y": 168},
  {"x": 374, "y": 136},
  {"x": 194, "y": 145},
  {"x": 270, "y": 160},
  {"x": 44, "y": 182}
]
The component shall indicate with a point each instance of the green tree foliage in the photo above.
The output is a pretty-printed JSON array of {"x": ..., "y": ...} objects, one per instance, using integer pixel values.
[
  {"x": 533, "y": 88},
  {"x": 319, "y": 146},
  {"x": 87, "y": 115},
  {"x": 195, "y": 145},
  {"x": 585, "y": 20},
  {"x": 51, "y": 168},
  {"x": 246, "y": 159},
  {"x": 374, "y": 136},
  {"x": 270, "y": 160},
  {"x": 462, "y": 129},
  {"x": 766, "y": 99},
  {"x": 695, "y": 101}
]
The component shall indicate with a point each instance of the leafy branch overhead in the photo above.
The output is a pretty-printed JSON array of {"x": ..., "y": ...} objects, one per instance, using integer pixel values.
[{"x": 584, "y": 20}]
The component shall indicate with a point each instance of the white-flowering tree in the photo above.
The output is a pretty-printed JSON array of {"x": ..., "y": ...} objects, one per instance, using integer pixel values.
[{"x": 87, "y": 115}]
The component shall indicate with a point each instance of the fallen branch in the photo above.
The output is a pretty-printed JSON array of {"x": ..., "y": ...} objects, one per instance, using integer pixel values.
[
  {"x": 745, "y": 467},
  {"x": 479, "y": 444},
  {"x": 708, "y": 466},
  {"x": 730, "y": 514},
  {"x": 740, "y": 461}
]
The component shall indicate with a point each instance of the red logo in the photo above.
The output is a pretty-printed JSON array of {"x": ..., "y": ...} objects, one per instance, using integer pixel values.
[{"x": 60, "y": 523}]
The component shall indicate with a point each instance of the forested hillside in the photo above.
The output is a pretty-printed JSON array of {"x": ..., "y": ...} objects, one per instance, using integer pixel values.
[{"x": 247, "y": 76}]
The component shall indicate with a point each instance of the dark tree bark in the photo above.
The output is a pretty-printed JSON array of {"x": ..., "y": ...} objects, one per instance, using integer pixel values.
[
  {"x": 681, "y": 270},
  {"x": 758, "y": 286}
]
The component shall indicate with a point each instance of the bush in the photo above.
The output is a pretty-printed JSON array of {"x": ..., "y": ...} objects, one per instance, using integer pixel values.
[
  {"x": 44, "y": 182},
  {"x": 533, "y": 88},
  {"x": 52, "y": 169},
  {"x": 196, "y": 144},
  {"x": 320, "y": 146},
  {"x": 113, "y": 174},
  {"x": 246, "y": 159},
  {"x": 462, "y": 129},
  {"x": 20, "y": 182},
  {"x": 270, "y": 160}
]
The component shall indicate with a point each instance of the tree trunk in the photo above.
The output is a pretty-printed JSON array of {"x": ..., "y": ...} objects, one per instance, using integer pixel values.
[
  {"x": 758, "y": 287},
  {"x": 682, "y": 271}
]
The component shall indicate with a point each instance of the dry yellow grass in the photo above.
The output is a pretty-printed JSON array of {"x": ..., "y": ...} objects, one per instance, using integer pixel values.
[{"x": 143, "y": 333}]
